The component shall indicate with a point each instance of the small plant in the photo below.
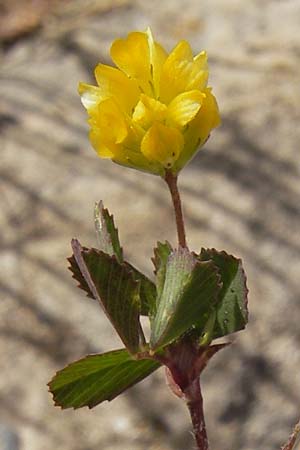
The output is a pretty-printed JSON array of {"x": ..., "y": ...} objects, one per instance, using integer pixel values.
[{"x": 152, "y": 112}]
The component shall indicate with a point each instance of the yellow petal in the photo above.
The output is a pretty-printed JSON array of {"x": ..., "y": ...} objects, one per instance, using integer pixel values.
[
  {"x": 132, "y": 56},
  {"x": 198, "y": 75},
  {"x": 104, "y": 150},
  {"x": 162, "y": 144},
  {"x": 207, "y": 118},
  {"x": 90, "y": 96},
  {"x": 199, "y": 128},
  {"x": 184, "y": 107},
  {"x": 148, "y": 110},
  {"x": 181, "y": 72},
  {"x": 201, "y": 60},
  {"x": 157, "y": 57},
  {"x": 114, "y": 83},
  {"x": 173, "y": 67},
  {"x": 111, "y": 122},
  {"x": 120, "y": 154}
]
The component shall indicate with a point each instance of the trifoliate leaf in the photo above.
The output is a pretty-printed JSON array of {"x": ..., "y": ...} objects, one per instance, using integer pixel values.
[
  {"x": 114, "y": 286},
  {"x": 232, "y": 312},
  {"x": 107, "y": 233},
  {"x": 190, "y": 292},
  {"x": 147, "y": 287},
  {"x": 97, "y": 378}
]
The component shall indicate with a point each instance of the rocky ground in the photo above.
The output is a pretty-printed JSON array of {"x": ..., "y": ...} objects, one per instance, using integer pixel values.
[{"x": 240, "y": 193}]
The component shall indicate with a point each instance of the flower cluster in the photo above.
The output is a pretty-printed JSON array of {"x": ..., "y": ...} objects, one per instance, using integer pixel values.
[{"x": 154, "y": 110}]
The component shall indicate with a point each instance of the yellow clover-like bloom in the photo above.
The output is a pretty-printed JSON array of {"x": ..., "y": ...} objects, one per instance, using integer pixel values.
[{"x": 153, "y": 110}]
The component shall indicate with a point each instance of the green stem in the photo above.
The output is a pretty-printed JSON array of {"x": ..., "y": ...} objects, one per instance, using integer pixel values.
[{"x": 171, "y": 181}]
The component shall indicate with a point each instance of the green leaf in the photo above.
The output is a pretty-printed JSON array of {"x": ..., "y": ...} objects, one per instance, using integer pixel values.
[
  {"x": 147, "y": 292},
  {"x": 232, "y": 311},
  {"x": 97, "y": 378},
  {"x": 107, "y": 233},
  {"x": 190, "y": 292},
  {"x": 114, "y": 286},
  {"x": 108, "y": 239},
  {"x": 207, "y": 332},
  {"x": 160, "y": 259},
  {"x": 147, "y": 287}
]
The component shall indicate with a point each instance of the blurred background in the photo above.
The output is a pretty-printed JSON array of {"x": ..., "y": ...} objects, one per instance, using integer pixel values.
[{"x": 240, "y": 193}]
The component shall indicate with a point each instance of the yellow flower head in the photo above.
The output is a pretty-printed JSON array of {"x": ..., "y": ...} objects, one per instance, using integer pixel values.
[{"x": 153, "y": 110}]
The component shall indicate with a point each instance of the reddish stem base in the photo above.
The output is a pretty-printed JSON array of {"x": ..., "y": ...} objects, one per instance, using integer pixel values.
[
  {"x": 195, "y": 404},
  {"x": 184, "y": 362}
]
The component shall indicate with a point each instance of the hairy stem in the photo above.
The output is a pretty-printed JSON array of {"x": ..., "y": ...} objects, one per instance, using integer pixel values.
[
  {"x": 195, "y": 404},
  {"x": 171, "y": 181}
]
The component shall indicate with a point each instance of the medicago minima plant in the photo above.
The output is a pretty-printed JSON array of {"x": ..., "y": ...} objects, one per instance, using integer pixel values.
[{"x": 152, "y": 112}]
